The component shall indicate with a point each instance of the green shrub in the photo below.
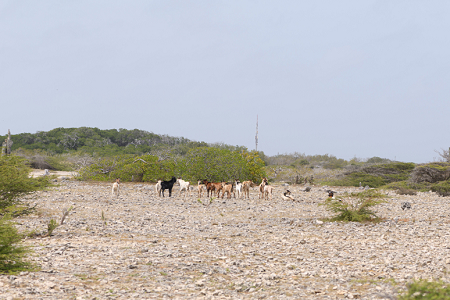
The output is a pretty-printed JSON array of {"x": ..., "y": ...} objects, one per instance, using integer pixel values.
[
  {"x": 355, "y": 207},
  {"x": 441, "y": 188},
  {"x": 14, "y": 181},
  {"x": 12, "y": 253},
  {"x": 210, "y": 163},
  {"x": 432, "y": 172},
  {"x": 424, "y": 290},
  {"x": 354, "y": 179},
  {"x": 51, "y": 226},
  {"x": 406, "y": 184},
  {"x": 376, "y": 175}
]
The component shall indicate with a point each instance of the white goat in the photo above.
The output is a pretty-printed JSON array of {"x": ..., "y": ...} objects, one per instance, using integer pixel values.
[
  {"x": 158, "y": 187},
  {"x": 238, "y": 188},
  {"x": 184, "y": 186},
  {"x": 115, "y": 188}
]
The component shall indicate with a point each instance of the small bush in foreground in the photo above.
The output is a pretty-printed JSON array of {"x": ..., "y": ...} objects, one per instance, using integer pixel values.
[
  {"x": 425, "y": 290},
  {"x": 11, "y": 252},
  {"x": 355, "y": 207}
]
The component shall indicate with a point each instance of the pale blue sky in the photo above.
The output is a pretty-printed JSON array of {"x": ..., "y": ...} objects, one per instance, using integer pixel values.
[{"x": 347, "y": 78}]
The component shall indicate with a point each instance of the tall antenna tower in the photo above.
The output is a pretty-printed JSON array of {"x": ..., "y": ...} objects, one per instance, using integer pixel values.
[{"x": 256, "y": 137}]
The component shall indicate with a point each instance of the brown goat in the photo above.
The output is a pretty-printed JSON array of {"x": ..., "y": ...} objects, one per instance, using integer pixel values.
[
  {"x": 217, "y": 188},
  {"x": 209, "y": 187},
  {"x": 246, "y": 188},
  {"x": 228, "y": 188}
]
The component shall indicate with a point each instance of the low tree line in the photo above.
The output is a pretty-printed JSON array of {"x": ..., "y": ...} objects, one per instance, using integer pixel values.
[{"x": 210, "y": 163}]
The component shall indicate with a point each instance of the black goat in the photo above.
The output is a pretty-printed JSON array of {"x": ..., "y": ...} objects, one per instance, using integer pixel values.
[{"x": 168, "y": 185}]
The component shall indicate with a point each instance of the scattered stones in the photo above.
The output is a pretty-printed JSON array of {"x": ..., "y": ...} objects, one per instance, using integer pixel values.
[{"x": 142, "y": 246}]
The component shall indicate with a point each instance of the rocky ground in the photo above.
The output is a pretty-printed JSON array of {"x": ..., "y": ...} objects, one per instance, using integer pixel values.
[{"x": 144, "y": 247}]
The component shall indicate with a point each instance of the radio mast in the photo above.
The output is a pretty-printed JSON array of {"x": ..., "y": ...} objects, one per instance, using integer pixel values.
[{"x": 256, "y": 137}]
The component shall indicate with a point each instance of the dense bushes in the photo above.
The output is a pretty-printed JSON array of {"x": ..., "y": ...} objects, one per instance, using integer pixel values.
[
  {"x": 376, "y": 175},
  {"x": 209, "y": 163},
  {"x": 102, "y": 142},
  {"x": 433, "y": 172}
]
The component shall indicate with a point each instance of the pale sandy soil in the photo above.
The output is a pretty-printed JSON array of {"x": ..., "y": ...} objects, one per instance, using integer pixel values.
[
  {"x": 141, "y": 246},
  {"x": 59, "y": 174}
]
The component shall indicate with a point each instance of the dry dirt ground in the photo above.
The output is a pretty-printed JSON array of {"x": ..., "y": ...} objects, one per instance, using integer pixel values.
[{"x": 141, "y": 246}]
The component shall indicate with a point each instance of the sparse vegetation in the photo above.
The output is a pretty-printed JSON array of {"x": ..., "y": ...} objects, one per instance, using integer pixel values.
[
  {"x": 374, "y": 175},
  {"x": 355, "y": 207},
  {"x": 12, "y": 253},
  {"x": 51, "y": 226},
  {"x": 425, "y": 290}
]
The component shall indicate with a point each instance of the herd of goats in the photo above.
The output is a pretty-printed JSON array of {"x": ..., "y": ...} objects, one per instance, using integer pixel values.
[{"x": 242, "y": 188}]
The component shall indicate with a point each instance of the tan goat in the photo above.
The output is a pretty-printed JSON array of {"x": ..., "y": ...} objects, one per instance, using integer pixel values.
[
  {"x": 246, "y": 188},
  {"x": 228, "y": 188}
]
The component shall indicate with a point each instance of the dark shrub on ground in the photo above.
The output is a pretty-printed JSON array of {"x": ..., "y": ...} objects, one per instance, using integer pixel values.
[{"x": 432, "y": 173}]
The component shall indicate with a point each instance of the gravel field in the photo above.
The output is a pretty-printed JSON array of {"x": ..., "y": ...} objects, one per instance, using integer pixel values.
[{"x": 140, "y": 246}]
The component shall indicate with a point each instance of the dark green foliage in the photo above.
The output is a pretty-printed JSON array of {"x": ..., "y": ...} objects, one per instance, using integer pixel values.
[
  {"x": 215, "y": 164},
  {"x": 354, "y": 179},
  {"x": 297, "y": 160},
  {"x": 376, "y": 175},
  {"x": 424, "y": 290},
  {"x": 110, "y": 168},
  {"x": 355, "y": 207},
  {"x": 14, "y": 181},
  {"x": 441, "y": 188},
  {"x": 39, "y": 159},
  {"x": 210, "y": 163},
  {"x": 101, "y": 142},
  {"x": 407, "y": 184},
  {"x": 12, "y": 254},
  {"x": 432, "y": 172}
]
